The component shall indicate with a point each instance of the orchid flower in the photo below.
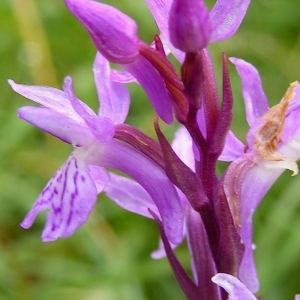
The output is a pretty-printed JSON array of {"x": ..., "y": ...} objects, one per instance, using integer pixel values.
[
  {"x": 273, "y": 144},
  {"x": 115, "y": 36},
  {"x": 72, "y": 192},
  {"x": 173, "y": 20}
]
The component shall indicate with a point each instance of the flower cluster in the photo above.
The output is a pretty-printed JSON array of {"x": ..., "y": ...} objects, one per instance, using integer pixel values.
[{"x": 173, "y": 183}]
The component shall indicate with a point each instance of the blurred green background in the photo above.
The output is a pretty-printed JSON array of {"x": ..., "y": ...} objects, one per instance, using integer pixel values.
[{"x": 109, "y": 258}]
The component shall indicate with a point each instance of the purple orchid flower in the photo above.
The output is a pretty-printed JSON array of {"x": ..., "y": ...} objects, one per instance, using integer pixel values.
[
  {"x": 272, "y": 146},
  {"x": 175, "y": 23},
  {"x": 115, "y": 36},
  {"x": 72, "y": 192}
]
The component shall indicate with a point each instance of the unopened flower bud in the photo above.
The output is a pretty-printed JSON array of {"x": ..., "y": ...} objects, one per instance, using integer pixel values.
[{"x": 113, "y": 33}]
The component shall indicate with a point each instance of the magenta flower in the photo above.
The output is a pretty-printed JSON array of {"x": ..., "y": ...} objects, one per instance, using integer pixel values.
[
  {"x": 193, "y": 27},
  {"x": 272, "y": 146},
  {"x": 72, "y": 192},
  {"x": 115, "y": 37}
]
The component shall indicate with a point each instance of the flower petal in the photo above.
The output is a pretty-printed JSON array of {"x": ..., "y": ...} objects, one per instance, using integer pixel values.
[
  {"x": 233, "y": 148},
  {"x": 226, "y": 17},
  {"x": 101, "y": 127},
  {"x": 150, "y": 176},
  {"x": 155, "y": 88},
  {"x": 129, "y": 195},
  {"x": 113, "y": 33},
  {"x": 64, "y": 128},
  {"x": 255, "y": 184},
  {"x": 122, "y": 76},
  {"x": 51, "y": 98},
  {"x": 256, "y": 102},
  {"x": 160, "y": 10},
  {"x": 70, "y": 196},
  {"x": 183, "y": 147},
  {"x": 113, "y": 96},
  {"x": 235, "y": 289},
  {"x": 100, "y": 177}
]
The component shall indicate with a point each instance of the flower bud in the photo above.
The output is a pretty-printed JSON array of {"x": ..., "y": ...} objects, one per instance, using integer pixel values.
[
  {"x": 189, "y": 25},
  {"x": 113, "y": 33}
]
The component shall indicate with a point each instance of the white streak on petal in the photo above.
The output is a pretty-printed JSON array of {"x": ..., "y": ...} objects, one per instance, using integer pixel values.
[{"x": 235, "y": 289}]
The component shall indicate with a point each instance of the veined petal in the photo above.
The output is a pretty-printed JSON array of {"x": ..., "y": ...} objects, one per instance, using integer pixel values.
[
  {"x": 70, "y": 196},
  {"x": 255, "y": 100},
  {"x": 51, "y": 98},
  {"x": 113, "y": 33},
  {"x": 155, "y": 88},
  {"x": 113, "y": 96},
  {"x": 235, "y": 289},
  {"x": 226, "y": 17},
  {"x": 62, "y": 127},
  {"x": 149, "y": 175},
  {"x": 129, "y": 195}
]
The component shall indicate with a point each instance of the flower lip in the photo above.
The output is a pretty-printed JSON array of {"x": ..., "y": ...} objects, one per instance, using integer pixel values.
[{"x": 113, "y": 33}]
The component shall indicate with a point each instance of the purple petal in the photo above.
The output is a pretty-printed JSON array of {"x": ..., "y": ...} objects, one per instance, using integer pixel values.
[
  {"x": 70, "y": 196},
  {"x": 113, "y": 33},
  {"x": 154, "y": 87},
  {"x": 255, "y": 100},
  {"x": 129, "y": 195},
  {"x": 150, "y": 176},
  {"x": 189, "y": 25},
  {"x": 122, "y": 76},
  {"x": 100, "y": 177},
  {"x": 113, "y": 96},
  {"x": 183, "y": 147},
  {"x": 226, "y": 17},
  {"x": 246, "y": 182},
  {"x": 51, "y": 98},
  {"x": 101, "y": 127},
  {"x": 160, "y": 10},
  {"x": 66, "y": 129},
  {"x": 233, "y": 148},
  {"x": 235, "y": 289}
]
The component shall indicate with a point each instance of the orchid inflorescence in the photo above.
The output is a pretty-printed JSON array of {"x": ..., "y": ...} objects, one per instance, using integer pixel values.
[{"x": 173, "y": 183}]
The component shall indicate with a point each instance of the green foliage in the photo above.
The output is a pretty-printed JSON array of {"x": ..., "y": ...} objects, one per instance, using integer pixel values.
[{"x": 109, "y": 257}]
